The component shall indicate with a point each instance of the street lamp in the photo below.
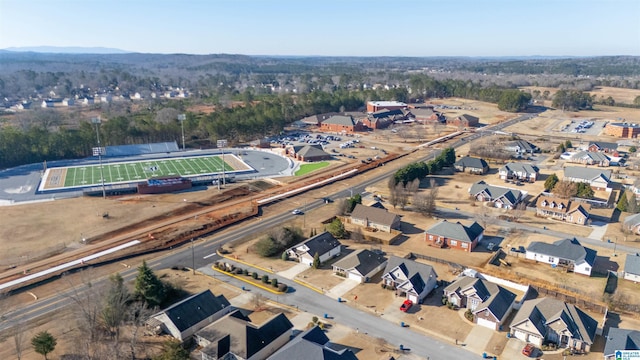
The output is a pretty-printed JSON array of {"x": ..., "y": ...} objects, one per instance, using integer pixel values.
[
  {"x": 182, "y": 118},
  {"x": 193, "y": 259},
  {"x": 98, "y": 151}
]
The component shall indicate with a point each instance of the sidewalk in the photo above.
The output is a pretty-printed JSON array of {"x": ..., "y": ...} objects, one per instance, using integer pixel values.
[{"x": 293, "y": 272}]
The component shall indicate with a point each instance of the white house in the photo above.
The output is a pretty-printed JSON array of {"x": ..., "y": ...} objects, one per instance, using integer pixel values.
[
  {"x": 409, "y": 278},
  {"x": 632, "y": 267},
  {"x": 596, "y": 178},
  {"x": 564, "y": 253},
  {"x": 323, "y": 244}
]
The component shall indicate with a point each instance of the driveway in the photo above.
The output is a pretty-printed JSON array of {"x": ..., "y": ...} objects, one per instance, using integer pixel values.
[
  {"x": 599, "y": 229},
  {"x": 478, "y": 339},
  {"x": 291, "y": 273},
  {"x": 344, "y": 287},
  {"x": 513, "y": 349}
]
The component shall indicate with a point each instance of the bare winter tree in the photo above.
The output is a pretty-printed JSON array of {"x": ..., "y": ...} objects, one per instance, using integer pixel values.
[
  {"x": 413, "y": 186},
  {"x": 357, "y": 235},
  {"x": 19, "y": 335},
  {"x": 167, "y": 115},
  {"x": 565, "y": 189},
  {"x": 393, "y": 192},
  {"x": 401, "y": 195},
  {"x": 137, "y": 315},
  {"x": 519, "y": 211},
  {"x": 425, "y": 203}
]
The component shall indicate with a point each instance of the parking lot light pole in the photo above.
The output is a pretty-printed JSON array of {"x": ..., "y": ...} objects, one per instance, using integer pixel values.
[{"x": 97, "y": 121}]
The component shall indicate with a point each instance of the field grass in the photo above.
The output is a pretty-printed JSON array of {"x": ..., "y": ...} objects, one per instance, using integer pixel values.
[
  {"x": 123, "y": 172},
  {"x": 308, "y": 168}
]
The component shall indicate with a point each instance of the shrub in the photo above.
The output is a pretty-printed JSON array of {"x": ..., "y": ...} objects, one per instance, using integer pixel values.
[
  {"x": 265, "y": 279},
  {"x": 468, "y": 314},
  {"x": 314, "y": 319},
  {"x": 282, "y": 287},
  {"x": 284, "y": 256},
  {"x": 321, "y": 326},
  {"x": 445, "y": 301},
  {"x": 254, "y": 275},
  {"x": 245, "y": 272},
  {"x": 274, "y": 283},
  {"x": 239, "y": 271}
]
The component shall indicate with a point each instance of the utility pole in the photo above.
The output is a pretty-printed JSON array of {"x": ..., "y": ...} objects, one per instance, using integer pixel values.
[
  {"x": 193, "y": 259},
  {"x": 182, "y": 118},
  {"x": 98, "y": 151}
]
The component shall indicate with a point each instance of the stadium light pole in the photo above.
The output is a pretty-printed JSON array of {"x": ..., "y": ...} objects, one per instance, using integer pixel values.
[
  {"x": 182, "y": 118},
  {"x": 97, "y": 121}
]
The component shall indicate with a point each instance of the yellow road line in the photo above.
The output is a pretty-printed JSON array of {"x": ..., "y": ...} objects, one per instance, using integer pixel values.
[
  {"x": 308, "y": 286},
  {"x": 246, "y": 263}
]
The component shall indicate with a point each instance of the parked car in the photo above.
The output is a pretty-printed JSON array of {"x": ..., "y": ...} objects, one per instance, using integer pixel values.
[
  {"x": 528, "y": 350},
  {"x": 406, "y": 305}
]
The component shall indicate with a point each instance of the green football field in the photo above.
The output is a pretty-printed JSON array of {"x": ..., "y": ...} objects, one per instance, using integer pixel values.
[{"x": 123, "y": 172}]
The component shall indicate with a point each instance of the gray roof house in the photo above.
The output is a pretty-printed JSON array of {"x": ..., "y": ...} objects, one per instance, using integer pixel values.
[
  {"x": 454, "y": 235},
  {"x": 518, "y": 171},
  {"x": 471, "y": 165},
  {"x": 374, "y": 217},
  {"x": 555, "y": 321},
  {"x": 324, "y": 244},
  {"x": 565, "y": 253},
  {"x": 620, "y": 339},
  {"x": 236, "y": 337},
  {"x": 632, "y": 267},
  {"x": 598, "y": 179},
  {"x": 632, "y": 223},
  {"x": 409, "y": 278},
  {"x": 360, "y": 265},
  {"x": 590, "y": 158},
  {"x": 183, "y": 319},
  {"x": 312, "y": 344},
  {"x": 312, "y": 153},
  {"x": 521, "y": 147},
  {"x": 490, "y": 303},
  {"x": 502, "y": 197}
]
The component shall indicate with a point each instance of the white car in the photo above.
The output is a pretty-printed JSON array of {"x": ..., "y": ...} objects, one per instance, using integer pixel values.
[{"x": 297, "y": 212}]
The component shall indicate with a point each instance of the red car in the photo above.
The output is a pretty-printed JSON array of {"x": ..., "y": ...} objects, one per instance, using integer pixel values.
[
  {"x": 406, "y": 305},
  {"x": 528, "y": 350}
]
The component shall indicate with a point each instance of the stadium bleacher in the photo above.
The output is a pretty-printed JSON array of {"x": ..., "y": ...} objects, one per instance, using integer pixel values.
[{"x": 141, "y": 149}]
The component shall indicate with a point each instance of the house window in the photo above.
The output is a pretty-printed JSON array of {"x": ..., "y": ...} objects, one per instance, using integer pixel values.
[
  {"x": 551, "y": 259},
  {"x": 453, "y": 243},
  {"x": 430, "y": 237},
  {"x": 464, "y": 245}
]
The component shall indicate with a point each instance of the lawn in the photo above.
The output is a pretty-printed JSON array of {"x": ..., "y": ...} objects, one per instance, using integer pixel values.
[{"x": 308, "y": 168}]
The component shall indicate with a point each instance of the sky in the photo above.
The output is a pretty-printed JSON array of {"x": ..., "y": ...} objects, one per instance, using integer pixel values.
[{"x": 329, "y": 27}]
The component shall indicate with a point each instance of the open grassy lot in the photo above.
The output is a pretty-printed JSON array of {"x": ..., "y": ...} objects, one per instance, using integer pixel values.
[{"x": 308, "y": 168}]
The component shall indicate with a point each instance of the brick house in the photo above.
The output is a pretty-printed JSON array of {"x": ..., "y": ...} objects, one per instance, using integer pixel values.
[
  {"x": 464, "y": 121},
  {"x": 563, "y": 209},
  {"x": 605, "y": 147},
  {"x": 454, "y": 235}
]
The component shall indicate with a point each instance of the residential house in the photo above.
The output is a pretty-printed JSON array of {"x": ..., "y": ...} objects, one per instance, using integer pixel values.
[
  {"x": 373, "y": 106},
  {"x": 635, "y": 189},
  {"x": 566, "y": 253},
  {"x": 596, "y": 178},
  {"x": 490, "y": 304},
  {"x": 519, "y": 171},
  {"x": 308, "y": 153},
  {"x": 549, "y": 320},
  {"x": 606, "y": 147},
  {"x": 454, "y": 235},
  {"x": 341, "y": 124},
  {"x": 360, "y": 265},
  {"x": 236, "y": 337},
  {"x": 632, "y": 267},
  {"x": 312, "y": 344},
  {"x": 374, "y": 217},
  {"x": 463, "y": 121},
  {"x": 185, "y": 318},
  {"x": 106, "y": 98},
  {"x": 632, "y": 223},
  {"x": 620, "y": 340},
  {"x": 47, "y": 104},
  {"x": 471, "y": 165},
  {"x": 590, "y": 158},
  {"x": 409, "y": 278},
  {"x": 68, "y": 102},
  {"x": 88, "y": 100},
  {"x": 24, "y": 105},
  {"x": 502, "y": 197},
  {"x": 574, "y": 212},
  {"x": 521, "y": 147},
  {"x": 323, "y": 244}
]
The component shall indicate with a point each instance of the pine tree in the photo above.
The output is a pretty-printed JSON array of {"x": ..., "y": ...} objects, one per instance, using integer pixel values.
[
  {"x": 148, "y": 286},
  {"x": 44, "y": 343},
  {"x": 316, "y": 261}
]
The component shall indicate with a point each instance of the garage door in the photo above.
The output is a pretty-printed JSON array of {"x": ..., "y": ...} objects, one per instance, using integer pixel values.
[
  {"x": 486, "y": 323},
  {"x": 355, "y": 277},
  {"x": 521, "y": 335},
  {"x": 413, "y": 298}
]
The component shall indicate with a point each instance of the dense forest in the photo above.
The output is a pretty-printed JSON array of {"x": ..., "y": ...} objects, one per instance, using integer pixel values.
[{"x": 273, "y": 92}]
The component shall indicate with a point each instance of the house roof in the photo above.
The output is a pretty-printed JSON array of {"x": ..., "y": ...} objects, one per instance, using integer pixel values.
[
  {"x": 311, "y": 151},
  {"x": 415, "y": 272},
  {"x": 496, "y": 192},
  {"x": 469, "y": 118},
  {"x": 386, "y": 112},
  {"x": 546, "y": 310},
  {"x": 519, "y": 167},
  {"x": 317, "y": 119},
  {"x": 604, "y": 145},
  {"x": 423, "y": 112},
  {"x": 312, "y": 345},
  {"x": 194, "y": 309},
  {"x": 568, "y": 206},
  {"x": 593, "y": 155},
  {"x": 374, "y": 215},
  {"x": 340, "y": 120},
  {"x": 522, "y": 145},
  {"x": 363, "y": 261},
  {"x": 632, "y": 220},
  {"x": 235, "y": 334},
  {"x": 471, "y": 162},
  {"x": 621, "y": 339},
  {"x": 632, "y": 264},
  {"x": 321, "y": 244},
  {"x": 585, "y": 173},
  {"x": 494, "y": 297},
  {"x": 565, "y": 249},
  {"x": 456, "y": 230}
]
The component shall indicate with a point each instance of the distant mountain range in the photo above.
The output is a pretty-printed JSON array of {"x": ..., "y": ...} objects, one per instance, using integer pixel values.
[{"x": 67, "y": 50}]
